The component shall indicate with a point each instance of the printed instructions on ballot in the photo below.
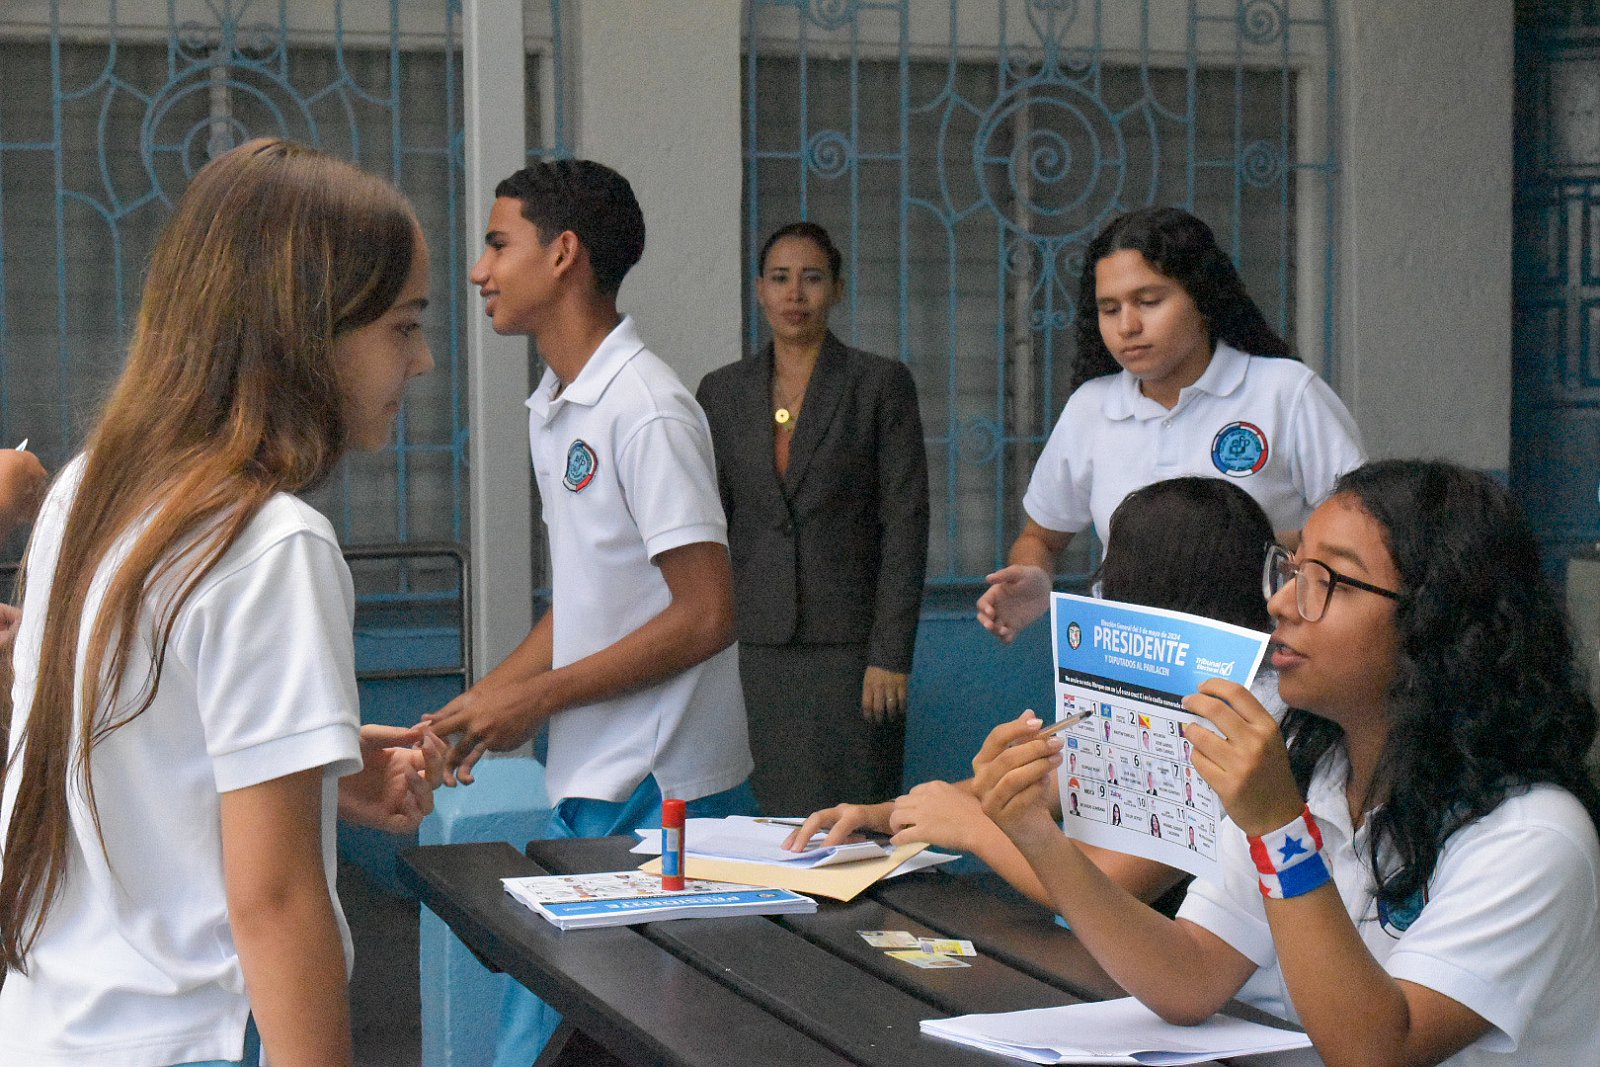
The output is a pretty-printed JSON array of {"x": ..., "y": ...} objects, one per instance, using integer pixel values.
[{"x": 1127, "y": 779}]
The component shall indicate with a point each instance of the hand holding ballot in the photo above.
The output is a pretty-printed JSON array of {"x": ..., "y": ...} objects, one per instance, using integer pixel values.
[{"x": 1245, "y": 759}]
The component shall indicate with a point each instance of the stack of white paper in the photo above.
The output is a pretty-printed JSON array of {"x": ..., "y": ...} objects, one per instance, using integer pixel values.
[
  {"x": 740, "y": 837},
  {"x": 1112, "y": 1031}
]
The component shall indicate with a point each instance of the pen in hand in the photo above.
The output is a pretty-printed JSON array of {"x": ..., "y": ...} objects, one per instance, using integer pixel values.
[
  {"x": 1062, "y": 724},
  {"x": 23, "y": 447}
]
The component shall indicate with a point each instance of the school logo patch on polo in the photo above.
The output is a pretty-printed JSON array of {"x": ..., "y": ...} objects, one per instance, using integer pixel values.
[
  {"x": 1396, "y": 921},
  {"x": 1239, "y": 449},
  {"x": 581, "y": 465}
]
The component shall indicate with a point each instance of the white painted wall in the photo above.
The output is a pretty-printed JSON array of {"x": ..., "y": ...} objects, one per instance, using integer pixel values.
[
  {"x": 658, "y": 99},
  {"x": 1425, "y": 218}
]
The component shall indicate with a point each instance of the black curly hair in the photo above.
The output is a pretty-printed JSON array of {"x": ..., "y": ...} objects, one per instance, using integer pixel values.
[
  {"x": 1181, "y": 247},
  {"x": 1189, "y": 544},
  {"x": 1487, "y": 697},
  {"x": 591, "y": 200}
]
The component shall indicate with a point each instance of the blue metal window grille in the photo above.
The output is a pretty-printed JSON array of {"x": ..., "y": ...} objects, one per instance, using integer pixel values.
[
  {"x": 1555, "y": 382},
  {"x": 101, "y": 127},
  {"x": 963, "y": 155}
]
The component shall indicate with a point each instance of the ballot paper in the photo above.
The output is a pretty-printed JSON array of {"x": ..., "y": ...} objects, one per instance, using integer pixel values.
[
  {"x": 620, "y": 898},
  {"x": 740, "y": 837},
  {"x": 1112, "y": 1031},
  {"x": 1127, "y": 776}
]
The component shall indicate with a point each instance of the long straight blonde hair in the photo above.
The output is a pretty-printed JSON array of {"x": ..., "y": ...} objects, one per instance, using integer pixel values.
[{"x": 230, "y": 395}]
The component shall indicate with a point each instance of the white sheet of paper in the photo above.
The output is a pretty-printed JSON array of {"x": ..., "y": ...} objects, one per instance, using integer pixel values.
[
  {"x": 740, "y": 837},
  {"x": 1111, "y": 1031}
]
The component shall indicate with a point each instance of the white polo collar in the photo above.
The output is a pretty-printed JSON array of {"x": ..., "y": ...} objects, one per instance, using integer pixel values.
[
  {"x": 620, "y": 346},
  {"x": 1223, "y": 376}
]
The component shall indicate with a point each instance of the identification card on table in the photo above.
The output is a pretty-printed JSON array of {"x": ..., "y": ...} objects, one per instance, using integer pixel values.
[{"x": 1127, "y": 778}]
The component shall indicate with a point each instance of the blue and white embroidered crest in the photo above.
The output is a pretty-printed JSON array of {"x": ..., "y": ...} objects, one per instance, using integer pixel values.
[
  {"x": 1239, "y": 449},
  {"x": 1396, "y": 921},
  {"x": 581, "y": 465}
]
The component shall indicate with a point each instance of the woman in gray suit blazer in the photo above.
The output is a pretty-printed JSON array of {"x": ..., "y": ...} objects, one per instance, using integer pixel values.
[{"x": 823, "y": 473}]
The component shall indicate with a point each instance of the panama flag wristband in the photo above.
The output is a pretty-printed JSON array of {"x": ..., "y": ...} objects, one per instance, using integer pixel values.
[{"x": 1289, "y": 859}]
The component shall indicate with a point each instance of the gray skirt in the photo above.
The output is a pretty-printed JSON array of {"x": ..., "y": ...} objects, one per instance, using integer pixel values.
[{"x": 812, "y": 747}]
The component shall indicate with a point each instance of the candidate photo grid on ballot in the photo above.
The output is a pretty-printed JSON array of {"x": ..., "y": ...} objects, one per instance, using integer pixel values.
[{"x": 1129, "y": 768}]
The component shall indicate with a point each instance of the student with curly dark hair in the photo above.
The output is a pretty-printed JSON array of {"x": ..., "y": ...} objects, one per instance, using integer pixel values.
[
  {"x": 1416, "y": 848},
  {"x": 1177, "y": 373},
  {"x": 1153, "y": 559}
]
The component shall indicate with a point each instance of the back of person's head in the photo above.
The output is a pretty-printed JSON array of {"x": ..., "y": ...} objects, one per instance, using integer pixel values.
[
  {"x": 808, "y": 231},
  {"x": 231, "y": 393},
  {"x": 590, "y": 199},
  {"x": 1189, "y": 544},
  {"x": 1180, "y": 246},
  {"x": 1487, "y": 696}
]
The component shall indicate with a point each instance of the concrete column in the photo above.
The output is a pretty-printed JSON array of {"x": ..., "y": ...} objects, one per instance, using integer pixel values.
[
  {"x": 1425, "y": 253},
  {"x": 658, "y": 98},
  {"x": 497, "y": 367}
]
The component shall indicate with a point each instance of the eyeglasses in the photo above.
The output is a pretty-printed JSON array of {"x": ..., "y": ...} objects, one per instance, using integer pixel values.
[{"x": 1314, "y": 582}]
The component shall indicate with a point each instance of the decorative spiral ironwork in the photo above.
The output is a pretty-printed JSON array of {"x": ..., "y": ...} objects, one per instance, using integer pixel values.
[
  {"x": 979, "y": 440},
  {"x": 1018, "y": 63},
  {"x": 1070, "y": 258},
  {"x": 828, "y": 154},
  {"x": 1078, "y": 60},
  {"x": 1042, "y": 321},
  {"x": 830, "y": 14},
  {"x": 1261, "y": 21},
  {"x": 1064, "y": 171},
  {"x": 200, "y": 42},
  {"x": 1261, "y": 164},
  {"x": 261, "y": 103},
  {"x": 1021, "y": 259}
]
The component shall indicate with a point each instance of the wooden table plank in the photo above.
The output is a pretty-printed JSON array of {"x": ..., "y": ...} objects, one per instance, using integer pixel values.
[
  {"x": 788, "y": 989},
  {"x": 634, "y": 998},
  {"x": 816, "y": 973},
  {"x": 1014, "y": 930}
]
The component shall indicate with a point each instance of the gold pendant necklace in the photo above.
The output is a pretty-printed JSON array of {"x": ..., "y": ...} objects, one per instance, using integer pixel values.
[{"x": 787, "y": 411}]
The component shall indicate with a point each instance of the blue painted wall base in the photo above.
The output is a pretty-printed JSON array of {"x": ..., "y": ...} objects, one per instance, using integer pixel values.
[
  {"x": 965, "y": 683},
  {"x": 460, "y": 997}
]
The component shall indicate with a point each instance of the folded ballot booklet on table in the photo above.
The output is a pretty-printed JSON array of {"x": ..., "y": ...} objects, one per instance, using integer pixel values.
[
  {"x": 1111, "y": 1031},
  {"x": 618, "y": 898}
]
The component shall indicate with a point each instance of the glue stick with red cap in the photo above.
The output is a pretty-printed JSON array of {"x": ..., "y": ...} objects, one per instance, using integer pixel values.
[{"x": 672, "y": 844}]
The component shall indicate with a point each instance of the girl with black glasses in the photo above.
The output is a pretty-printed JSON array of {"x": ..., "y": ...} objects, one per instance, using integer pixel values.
[{"x": 1414, "y": 873}]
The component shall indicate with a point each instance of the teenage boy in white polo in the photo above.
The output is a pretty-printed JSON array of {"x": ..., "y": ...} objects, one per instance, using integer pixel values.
[{"x": 633, "y": 668}]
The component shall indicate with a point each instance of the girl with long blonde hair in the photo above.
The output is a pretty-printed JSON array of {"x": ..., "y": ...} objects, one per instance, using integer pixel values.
[{"x": 185, "y": 699}]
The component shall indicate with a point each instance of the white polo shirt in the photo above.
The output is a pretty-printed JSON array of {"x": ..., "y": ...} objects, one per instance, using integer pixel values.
[
  {"x": 136, "y": 965},
  {"x": 625, "y": 470},
  {"x": 1271, "y": 426},
  {"x": 1510, "y": 927}
]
